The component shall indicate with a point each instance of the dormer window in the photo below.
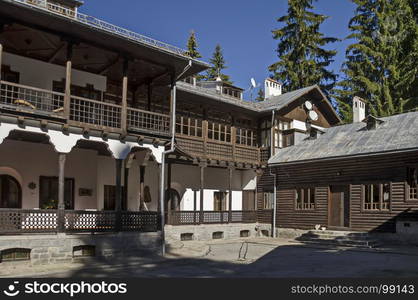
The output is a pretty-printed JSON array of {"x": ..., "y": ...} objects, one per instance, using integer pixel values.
[{"x": 372, "y": 122}]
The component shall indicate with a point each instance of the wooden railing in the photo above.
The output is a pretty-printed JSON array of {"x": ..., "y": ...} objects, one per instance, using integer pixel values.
[
  {"x": 83, "y": 112},
  {"x": 17, "y": 221},
  {"x": 217, "y": 142},
  {"x": 264, "y": 154},
  {"x": 211, "y": 217}
]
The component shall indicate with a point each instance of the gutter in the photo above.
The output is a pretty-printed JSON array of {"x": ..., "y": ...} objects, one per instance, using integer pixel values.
[
  {"x": 171, "y": 150},
  {"x": 273, "y": 231}
]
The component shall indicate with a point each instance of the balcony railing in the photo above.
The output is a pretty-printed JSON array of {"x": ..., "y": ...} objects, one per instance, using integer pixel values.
[
  {"x": 211, "y": 217},
  {"x": 19, "y": 221},
  {"x": 83, "y": 112},
  {"x": 216, "y": 141},
  {"x": 100, "y": 24}
]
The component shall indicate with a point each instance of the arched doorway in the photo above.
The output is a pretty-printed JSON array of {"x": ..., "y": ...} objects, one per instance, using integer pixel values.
[
  {"x": 10, "y": 192},
  {"x": 172, "y": 198}
]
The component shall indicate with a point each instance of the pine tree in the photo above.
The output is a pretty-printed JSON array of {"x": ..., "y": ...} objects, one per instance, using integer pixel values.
[
  {"x": 381, "y": 65},
  {"x": 260, "y": 95},
  {"x": 218, "y": 64},
  {"x": 192, "y": 46},
  {"x": 303, "y": 61}
]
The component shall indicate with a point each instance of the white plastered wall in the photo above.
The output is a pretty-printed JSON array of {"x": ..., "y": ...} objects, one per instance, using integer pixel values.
[
  {"x": 89, "y": 170},
  {"x": 29, "y": 70},
  {"x": 186, "y": 180}
]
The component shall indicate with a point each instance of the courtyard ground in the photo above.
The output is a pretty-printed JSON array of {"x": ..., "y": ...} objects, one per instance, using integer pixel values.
[{"x": 265, "y": 257}]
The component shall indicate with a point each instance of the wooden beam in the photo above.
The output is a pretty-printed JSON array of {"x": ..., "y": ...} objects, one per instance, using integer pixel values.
[
  {"x": 61, "y": 191},
  {"x": 67, "y": 96},
  {"x": 56, "y": 52},
  {"x": 109, "y": 65},
  {"x": 124, "y": 97},
  {"x": 230, "y": 170},
  {"x": 202, "y": 186}
]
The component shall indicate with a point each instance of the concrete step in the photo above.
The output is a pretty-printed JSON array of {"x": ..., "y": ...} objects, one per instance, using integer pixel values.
[
  {"x": 338, "y": 238},
  {"x": 336, "y": 242}
]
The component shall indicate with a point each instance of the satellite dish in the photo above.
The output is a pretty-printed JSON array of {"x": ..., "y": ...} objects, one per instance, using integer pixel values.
[
  {"x": 253, "y": 83},
  {"x": 308, "y": 105},
  {"x": 313, "y": 115}
]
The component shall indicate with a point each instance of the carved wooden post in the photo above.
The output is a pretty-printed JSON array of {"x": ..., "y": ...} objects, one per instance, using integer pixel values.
[
  {"x": 202, "y": 180},
  {"x": 230, "y": 170},
  {"x": 124, "y": 114},
  {"x": 118, "y": 196},
  {"x": 61, "y": 192},
  {"x": 67, "y": 96}
]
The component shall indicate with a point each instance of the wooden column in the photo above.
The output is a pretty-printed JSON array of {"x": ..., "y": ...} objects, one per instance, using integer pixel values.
[
  {"x": 123, "y": 123},
  {"x": 126, "y": 186},
  {"x": 230, "y": 170},
  {"x": 233, "y": 140},
  {"x": 1, "y": 58},
  {"x": 195, "y": 219},
  {"x": 202, "y": 186},
  {"x": 118, "y": 196},
  {"x": 168, "y": 193},
  {"x": 67, "y": 96},
  {"x": 61, "y": 191},
  {"x": 141, "y": 187}
]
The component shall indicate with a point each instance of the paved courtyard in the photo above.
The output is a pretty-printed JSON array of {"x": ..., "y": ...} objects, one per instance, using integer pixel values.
[{"x": 239, "y": 258}]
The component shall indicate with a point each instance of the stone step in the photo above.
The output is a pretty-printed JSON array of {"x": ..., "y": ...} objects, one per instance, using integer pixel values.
[
  {"x": 340, "y": 243},
  {"x": 338, "y": 233},
  {"x": 336, "y": 237}
]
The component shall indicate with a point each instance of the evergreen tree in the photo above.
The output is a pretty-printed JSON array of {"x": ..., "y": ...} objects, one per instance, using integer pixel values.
[
  {"x": 302, "y": 59},
  {"x": 218, "y": 64},
  {"x": 381, "y": 64},
  {"x": 192, "y": 46},
  {"x": 260, "y": 95}
]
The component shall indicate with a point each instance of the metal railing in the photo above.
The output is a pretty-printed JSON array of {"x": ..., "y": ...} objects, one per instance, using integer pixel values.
[
  {"x": 30, "y": 99},
  {"x": 138, "y": 119},
  {"x": 100, "y": 24}
]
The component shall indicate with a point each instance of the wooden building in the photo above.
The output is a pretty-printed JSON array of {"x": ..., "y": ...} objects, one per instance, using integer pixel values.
[{"x": 360, "y": 176}]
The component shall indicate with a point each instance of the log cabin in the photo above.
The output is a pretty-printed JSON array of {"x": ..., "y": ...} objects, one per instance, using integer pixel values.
[{"x": 360, "y": 176}]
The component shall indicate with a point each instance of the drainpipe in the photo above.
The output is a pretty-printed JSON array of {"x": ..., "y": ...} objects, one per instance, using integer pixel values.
[
  {"x": 274, "y": 175},
  {"x": 171, "y": 150}
]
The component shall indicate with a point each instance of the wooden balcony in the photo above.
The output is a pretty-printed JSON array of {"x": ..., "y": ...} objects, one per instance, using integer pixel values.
[
  {"x": 25, "y": 221},
  {"x": 83, "y": 112},
  {"x": 205, "y": 140}
]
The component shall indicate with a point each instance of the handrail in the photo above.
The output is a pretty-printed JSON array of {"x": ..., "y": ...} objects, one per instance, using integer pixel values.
[
  {"x": 100, "y": 24},
  {"x": 95, "y": 101},
  {"x": 148, "y": 112},
  {"x": 31, "y": 88}
]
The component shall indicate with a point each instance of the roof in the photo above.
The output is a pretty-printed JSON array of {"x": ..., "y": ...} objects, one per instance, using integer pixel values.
[
  {"x": 396, "y": 134},
  {"x": 99, "y": 33},
  {"x": 275, "y": 103}
]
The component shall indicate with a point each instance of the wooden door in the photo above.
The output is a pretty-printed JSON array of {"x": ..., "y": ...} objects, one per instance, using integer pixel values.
[
  {"x": 339, "y": 206},
  {"x": 248, "y": 200}
]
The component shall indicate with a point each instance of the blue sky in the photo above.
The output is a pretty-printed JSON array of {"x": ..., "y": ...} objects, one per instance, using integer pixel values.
[{"x": 242, "y": 28}]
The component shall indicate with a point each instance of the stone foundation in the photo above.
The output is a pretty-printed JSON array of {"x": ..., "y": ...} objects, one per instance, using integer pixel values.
[
  {"x": 58, "y": 248},
  {"x": 205, "y": 232}
]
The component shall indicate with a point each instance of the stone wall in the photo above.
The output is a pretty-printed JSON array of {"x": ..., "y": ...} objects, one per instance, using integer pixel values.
[
  {"x": 50, "y": 249},
  {"x": 205, "y": 232}
]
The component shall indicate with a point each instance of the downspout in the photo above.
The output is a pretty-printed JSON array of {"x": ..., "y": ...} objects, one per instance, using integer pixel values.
[
  {"x": 171, "y": 150},
  {"x": 275, "y": 177}
]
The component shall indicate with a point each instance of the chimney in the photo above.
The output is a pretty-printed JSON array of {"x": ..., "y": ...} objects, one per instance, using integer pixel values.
[
  {"x": 272, "y": 88},
  {"x": 359, "y": 109}
]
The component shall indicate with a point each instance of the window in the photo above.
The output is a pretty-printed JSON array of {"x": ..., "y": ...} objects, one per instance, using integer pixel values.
[
  {"x": 305, "y": 199},
  {"x": 377, "y": 196},
  {"x": 14, "y": 254},
  {"x": 219, "y": 132},
  {"x": 48, "y": 193},
  {"x": 412, "y": 183},
  {"x": 219, "y": 201},
  {"x": 84, "y": 251},
  {"x": 189, "y": 126},
  {"x": 268, "y": 200},
  {"x": 110, "y": 198},
  {"x": 246, "y": 137},
  {"x": 10, "y": 192}
]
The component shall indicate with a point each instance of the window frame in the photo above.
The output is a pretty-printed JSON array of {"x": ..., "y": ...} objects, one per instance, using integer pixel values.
[
  {"x": 408, "y": 188},
  {"x": 223, "y": 201},
  {"x": 381, "y": 202},
  {"x": 66, "y": 179},
  {"x": 311, "y": 204},
  {"x": 268, "y": 200}
]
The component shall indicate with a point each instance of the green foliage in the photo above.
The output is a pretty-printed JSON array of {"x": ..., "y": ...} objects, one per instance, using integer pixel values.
[
  {"x": 218, "y": 64},
  {"x": 192, "y": 46},
  {"x": 381, "y": 63},
  {"x": 260, "y": 95},
  {"x": 303, "y": 61}
]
